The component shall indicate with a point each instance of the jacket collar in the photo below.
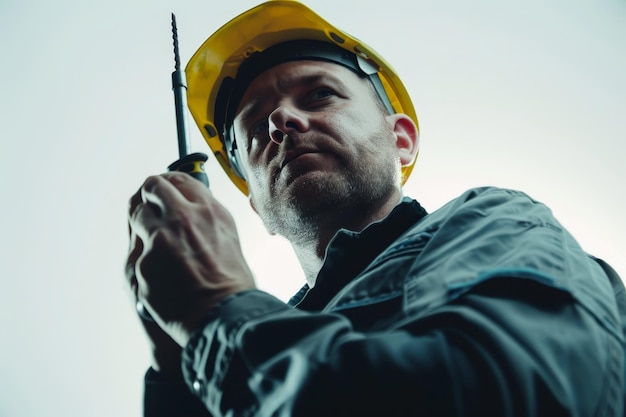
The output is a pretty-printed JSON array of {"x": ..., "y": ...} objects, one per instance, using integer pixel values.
[{"x": 350, "y": 252}]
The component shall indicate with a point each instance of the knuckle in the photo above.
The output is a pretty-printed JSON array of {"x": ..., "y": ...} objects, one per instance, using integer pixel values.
[{"x": 162, "y": 238}]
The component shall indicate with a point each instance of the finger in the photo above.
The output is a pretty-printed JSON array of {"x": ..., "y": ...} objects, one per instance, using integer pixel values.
[
  {"x": 135, "y": 251},
  {"x": 139, "y": 197},
  {"x": 192, "y": 189},
  {"x": 145, "y": 220},
  {"x": 133, "y": 202},
  {"x": 196, "y": 192},
  {"x": 160, "y": 195}
]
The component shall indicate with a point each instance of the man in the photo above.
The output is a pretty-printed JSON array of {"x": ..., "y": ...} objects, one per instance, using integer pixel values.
[{"x": 485, "y": 307}]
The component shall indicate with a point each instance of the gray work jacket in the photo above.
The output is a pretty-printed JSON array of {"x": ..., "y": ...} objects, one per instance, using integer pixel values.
[{"x": 486, "y": 307}]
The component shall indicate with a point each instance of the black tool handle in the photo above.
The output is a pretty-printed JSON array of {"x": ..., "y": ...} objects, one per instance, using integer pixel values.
[{"x": 192, "y": 164}]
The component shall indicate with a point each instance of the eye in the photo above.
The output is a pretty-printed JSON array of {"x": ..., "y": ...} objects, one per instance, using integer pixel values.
[
  {"x": 321, "y": 94},
  {"x": 258, "y": 132},
  {"x": 259, "y": 129}
]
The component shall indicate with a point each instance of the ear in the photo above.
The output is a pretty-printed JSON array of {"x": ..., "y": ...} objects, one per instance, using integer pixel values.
[{"x": 407, "y": 137}]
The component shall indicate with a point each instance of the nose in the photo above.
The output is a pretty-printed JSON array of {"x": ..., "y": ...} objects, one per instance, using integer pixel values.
[{"x": 286, "y": 120}]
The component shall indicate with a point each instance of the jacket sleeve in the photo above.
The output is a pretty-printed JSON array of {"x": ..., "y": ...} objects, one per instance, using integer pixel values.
[
  {"x": 167, "y": 398},
  {"x": 509, "y": 342}
]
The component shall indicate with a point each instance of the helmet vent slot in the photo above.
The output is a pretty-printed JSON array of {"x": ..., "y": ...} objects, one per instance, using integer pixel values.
[
  {"x": 336, "y": 37},
  {"x": 210, "y": 130}
]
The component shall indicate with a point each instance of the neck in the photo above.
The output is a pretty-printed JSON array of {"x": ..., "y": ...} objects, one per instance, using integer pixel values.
[{"x": 311, "y": 252}]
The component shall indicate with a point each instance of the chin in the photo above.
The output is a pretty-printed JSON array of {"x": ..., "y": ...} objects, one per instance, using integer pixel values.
[{"x": 316, "y": 187}]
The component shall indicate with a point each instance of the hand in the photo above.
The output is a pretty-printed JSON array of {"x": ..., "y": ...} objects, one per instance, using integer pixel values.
[
  {"x": 166, "y": 353},
  {"x": 186, "y": 255}
]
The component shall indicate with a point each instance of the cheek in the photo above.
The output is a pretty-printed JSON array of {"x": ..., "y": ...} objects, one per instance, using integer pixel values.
[
  {"x": 367, "y": 129},
  {"x": 257, "y": 152},
  {"x": 365, "y": 118},
  {"x": 242, "y": 151}
]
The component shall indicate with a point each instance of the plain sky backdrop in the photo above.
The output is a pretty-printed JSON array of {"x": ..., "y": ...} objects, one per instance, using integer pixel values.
[{"x": 520, "y": 94}]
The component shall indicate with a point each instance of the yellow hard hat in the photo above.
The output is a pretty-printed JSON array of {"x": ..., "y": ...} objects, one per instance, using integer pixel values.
[{"x": 266, "y": 35}]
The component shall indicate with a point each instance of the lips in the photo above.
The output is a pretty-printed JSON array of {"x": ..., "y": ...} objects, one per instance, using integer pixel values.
[{"x": 295, "y": 153}]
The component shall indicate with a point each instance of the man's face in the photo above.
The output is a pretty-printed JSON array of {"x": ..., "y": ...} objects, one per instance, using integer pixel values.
[{"x": 315, "y": 141}]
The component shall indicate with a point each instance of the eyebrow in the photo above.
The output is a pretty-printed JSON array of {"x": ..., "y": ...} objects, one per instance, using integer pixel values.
[{"x": 310, "y": 79}]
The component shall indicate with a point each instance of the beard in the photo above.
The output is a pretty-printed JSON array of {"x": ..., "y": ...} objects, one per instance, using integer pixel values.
[{"x": 321, "y": 201}]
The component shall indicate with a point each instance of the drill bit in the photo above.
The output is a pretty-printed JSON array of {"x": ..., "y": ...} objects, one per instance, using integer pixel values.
[
  {"x": 179, "y": 86},
  {"x": 175, "y": 38}
]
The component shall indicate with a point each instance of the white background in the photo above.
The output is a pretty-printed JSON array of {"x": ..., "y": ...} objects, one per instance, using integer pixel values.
[{"x": 528, "y": 95}]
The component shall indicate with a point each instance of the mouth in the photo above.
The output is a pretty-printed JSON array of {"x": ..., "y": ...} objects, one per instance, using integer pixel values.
[{"x": 294, "y": 154}]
